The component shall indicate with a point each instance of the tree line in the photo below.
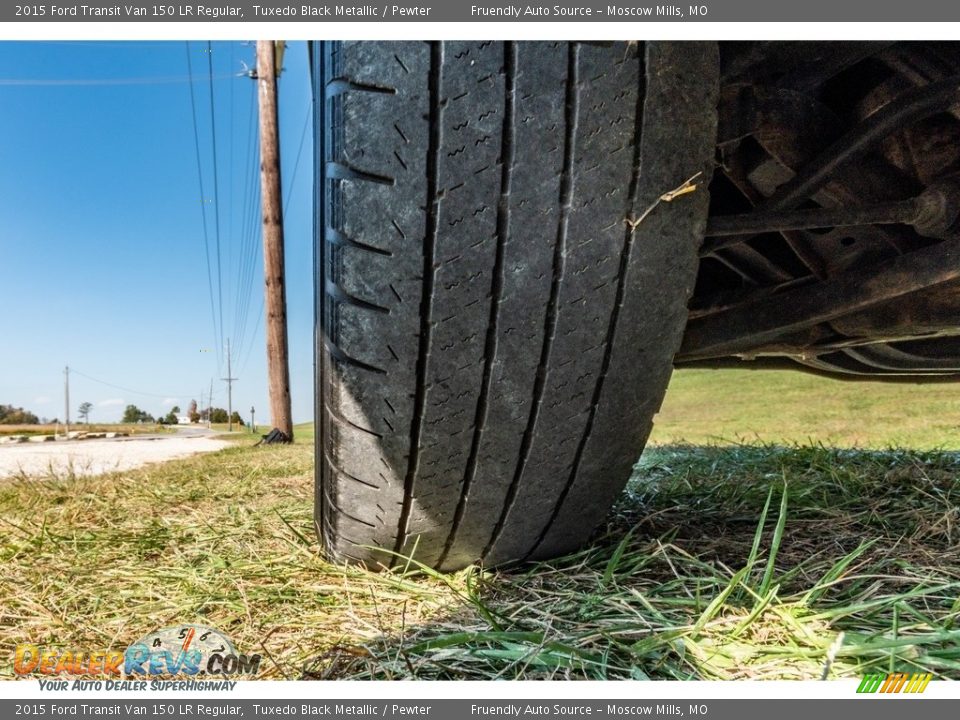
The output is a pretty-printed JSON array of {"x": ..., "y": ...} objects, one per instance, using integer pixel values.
[
  {"x": 10, "y": 415},
  {"x": 133, "y": 414}
]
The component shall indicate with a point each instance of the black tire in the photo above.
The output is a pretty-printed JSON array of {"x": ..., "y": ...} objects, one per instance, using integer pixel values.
[{"x": 493, "y": 338}]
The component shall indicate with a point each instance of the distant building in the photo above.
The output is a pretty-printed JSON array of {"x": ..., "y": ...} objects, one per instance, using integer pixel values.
[{"x": 183, "y": 419}]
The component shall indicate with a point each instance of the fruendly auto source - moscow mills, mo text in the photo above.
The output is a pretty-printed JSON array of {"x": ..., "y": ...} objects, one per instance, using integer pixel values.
[{"x": 572, "y": 11}]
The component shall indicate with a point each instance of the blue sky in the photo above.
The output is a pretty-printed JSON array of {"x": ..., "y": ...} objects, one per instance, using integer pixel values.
[{"x": 102, "y": 255}]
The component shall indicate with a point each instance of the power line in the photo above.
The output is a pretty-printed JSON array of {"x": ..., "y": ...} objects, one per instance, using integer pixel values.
[
  {"x": 296, "y": 164},
  {"x": 248, "y": 255},
  {"x": 216, "y": 185},
  {"x": 286, "y": 206},
  {"x": 231, "y": 110},
  {"x": 253, "y": 337},
  {"x": 126, "y": 389},
  {"x": 87, "y": 82},
  {"x": 249, "y": 270},
  {"x": 203, "y": 210}
]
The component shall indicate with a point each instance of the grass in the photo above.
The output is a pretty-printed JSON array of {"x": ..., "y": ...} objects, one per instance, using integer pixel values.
[
  {"x": 224, "y": 539},
  {"x": 686, "y": 581},
  {"x": 723, "y": 406},
  {"x": 720, "y": 562},
  {"x": 50, "y": 429}
]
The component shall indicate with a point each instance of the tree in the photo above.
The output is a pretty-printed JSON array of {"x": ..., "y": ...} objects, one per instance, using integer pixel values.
[
  {"x": 171, "y": 418},
  {"x": 9, "y": 415},
  {"x": 218, "y": 415},
  {"x": 192, "y": 412},
  {"x": 84, "y": 411},
  {"x": 133, "y": 414},
  {"x": 236, "y": 418}
]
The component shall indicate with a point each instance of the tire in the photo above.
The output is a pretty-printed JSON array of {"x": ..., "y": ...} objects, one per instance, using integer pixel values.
[{"x": 493, "y": 338}]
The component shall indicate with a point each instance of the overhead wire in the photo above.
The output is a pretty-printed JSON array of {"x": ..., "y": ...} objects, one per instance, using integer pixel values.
[
  {"x": 249, "y": 234},
  {"x": 74, "y": 371},
  {"x": 230, "y": 211},
  {"x": 105, "y": 82},
  {"x": 247, "y": 256},
  {"x": 216, "y": 186},
  {"x": 252, "y": 203},
  {"x": 286, "y": 206},
  {"x": 203, "y": 209},
  {"x": 252, "y": 256},
  {"x": 256, "y": 328},
  {"x": 296, "y": 164},
  {"x": 240, "y": 282}
]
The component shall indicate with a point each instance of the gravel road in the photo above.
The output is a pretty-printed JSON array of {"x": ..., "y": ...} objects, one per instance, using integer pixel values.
[{"x": 94, "y": 457}]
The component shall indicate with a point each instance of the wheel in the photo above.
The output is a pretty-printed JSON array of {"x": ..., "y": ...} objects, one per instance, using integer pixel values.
[{"x": 494, "y": 337}]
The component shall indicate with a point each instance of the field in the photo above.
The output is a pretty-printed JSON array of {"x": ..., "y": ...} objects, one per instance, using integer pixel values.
[
  {"x": 130, "y": 428},
  {"x": 736, "y": 406},
  {"x": 776, "y": 542}
]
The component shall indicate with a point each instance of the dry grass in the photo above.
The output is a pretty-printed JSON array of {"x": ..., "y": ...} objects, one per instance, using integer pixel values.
[
  {"x": 224, "y": 539},
  {"x": 857, "y": 559},
  {"x": 131, "y": 428}
]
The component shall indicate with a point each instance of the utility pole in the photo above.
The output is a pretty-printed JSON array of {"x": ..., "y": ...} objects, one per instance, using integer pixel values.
[
  {"x": 229, "y": 380},
  {"x": 278, "y": 367},
  {"x": 66, "y": 399}
]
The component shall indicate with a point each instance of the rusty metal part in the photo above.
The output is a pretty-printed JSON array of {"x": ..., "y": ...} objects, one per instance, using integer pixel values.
[
  {"x": 935, "y": 213},
  {"x": 909, "y": 108},
  {"x": 767, "y": 135},
  {"x": 931, "y": 311},
  {"x": 735, "y": 228},
  {"x": 747, "y": 327},
  {"x": 787, "y": 128},
  {"x": 835, "y": 159},
  {"x": 793, "y": 63},
  {"x": 939, "y": 215}
]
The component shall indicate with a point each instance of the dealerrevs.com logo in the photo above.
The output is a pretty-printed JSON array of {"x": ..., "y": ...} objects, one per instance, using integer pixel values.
[{"x": 191, "y": 650}]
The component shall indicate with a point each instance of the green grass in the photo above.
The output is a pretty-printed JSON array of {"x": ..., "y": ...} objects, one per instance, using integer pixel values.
[
  {"x": 729, "y": 561},
  {"x": 723, "y": 406},
  {"x": 302, "y": 432},
  {"x": 855, "y": 569}
]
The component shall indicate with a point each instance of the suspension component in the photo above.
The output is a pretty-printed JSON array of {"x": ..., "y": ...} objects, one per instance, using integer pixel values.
[{"x": 934, "y": 213}]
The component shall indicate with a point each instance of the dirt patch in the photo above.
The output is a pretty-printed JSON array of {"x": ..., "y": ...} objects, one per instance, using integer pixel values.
[{"x": 95, "y": 457}]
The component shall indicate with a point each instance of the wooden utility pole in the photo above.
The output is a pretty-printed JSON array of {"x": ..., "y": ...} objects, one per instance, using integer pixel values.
[
  {"x": 276, "y": 296},
  {"x": 229, "y": 380}
]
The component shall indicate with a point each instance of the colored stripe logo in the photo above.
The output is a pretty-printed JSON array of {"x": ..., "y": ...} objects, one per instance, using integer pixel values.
[{"x": 894, "y": 683}]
